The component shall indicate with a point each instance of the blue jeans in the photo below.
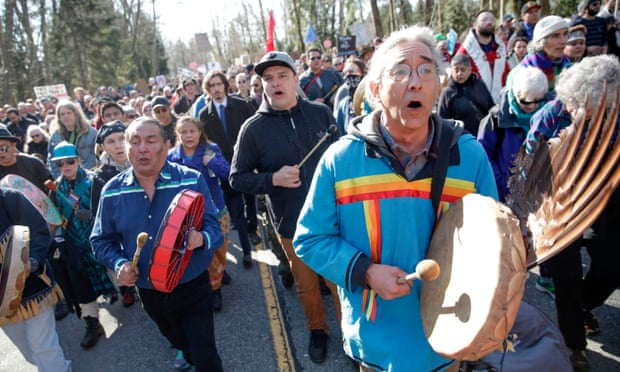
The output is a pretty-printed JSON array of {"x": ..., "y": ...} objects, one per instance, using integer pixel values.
[
  {"x": 37, "y": 340},
  {"x": 185, "y": 318}
]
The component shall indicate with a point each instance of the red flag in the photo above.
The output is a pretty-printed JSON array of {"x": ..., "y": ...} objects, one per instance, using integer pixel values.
[{"x": 269, "y": 43}]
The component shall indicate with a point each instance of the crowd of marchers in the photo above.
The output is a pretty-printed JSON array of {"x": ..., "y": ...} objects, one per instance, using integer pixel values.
[{"x": 292, "y": 134}]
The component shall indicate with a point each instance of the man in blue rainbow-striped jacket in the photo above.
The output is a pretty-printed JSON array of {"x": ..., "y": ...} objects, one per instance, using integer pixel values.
[{"x": 368, "y": 217}]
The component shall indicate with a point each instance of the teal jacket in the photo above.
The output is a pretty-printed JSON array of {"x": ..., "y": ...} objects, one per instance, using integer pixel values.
[{"x": 361, "y": 208}]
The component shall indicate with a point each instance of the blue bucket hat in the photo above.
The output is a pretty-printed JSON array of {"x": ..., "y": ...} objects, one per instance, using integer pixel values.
[{"x": 64, "y": 150}]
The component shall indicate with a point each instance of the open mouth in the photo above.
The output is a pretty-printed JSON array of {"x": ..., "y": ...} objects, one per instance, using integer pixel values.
[{"x": 414, "y": 104}]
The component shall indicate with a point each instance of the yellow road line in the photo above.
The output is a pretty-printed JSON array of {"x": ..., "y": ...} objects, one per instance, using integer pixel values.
[{"x": 282, "y": 347}]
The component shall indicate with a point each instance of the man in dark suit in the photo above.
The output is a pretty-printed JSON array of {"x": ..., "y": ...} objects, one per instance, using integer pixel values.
[{"x": 222, "y": 118}]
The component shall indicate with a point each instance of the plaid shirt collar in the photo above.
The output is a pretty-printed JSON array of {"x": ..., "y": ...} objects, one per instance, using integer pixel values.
[{"x": 413, "y": 163}]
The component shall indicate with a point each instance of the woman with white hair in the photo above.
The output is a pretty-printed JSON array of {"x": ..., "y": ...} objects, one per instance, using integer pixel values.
[
  {"x": 503, "y": 130},
  {"x": 71, "y": 125},
  {"x": 36, "y": 142},
  {"x": 579, "y": 92},
  {"x": 547, "y": 49}
]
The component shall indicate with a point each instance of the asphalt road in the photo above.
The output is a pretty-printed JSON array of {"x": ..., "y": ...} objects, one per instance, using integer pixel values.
[{"x": 261, "y": 328}]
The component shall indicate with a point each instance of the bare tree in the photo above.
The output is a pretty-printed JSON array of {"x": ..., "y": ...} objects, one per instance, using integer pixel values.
[
  {"x": 297, "y": 16},
  {"x": 43, "y": 30},
  {"x": 8, "y": 52},
  {"x": 376, "y": 18}
]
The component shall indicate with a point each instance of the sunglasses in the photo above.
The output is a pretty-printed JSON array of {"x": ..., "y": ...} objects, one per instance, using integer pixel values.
[
  {"x": 4, "y": 148},
  {"x": 532, "y": 102},
  {"x": 160, "y": 109},
  {"x": 315, "y": 58},
  {"x": 60, "y": 163}
]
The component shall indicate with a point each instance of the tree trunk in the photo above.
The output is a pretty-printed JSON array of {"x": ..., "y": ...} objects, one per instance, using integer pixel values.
[
  {"x": 154, "y": 56},
  {"x": 246, "y": 26},
  {"x": 341, "y": 29},
  {"x": 34, "y": 70},
  {"x": 332, "y": 28},
  {"x": 8, "y": 55},
  {"x": 405, "y": 18},
  {"x": 45, "y": 58},
  {"x": 376, "y": 18},
  {"x": 392, "y": 17},
  {"x": 439, "y": 16},
  {"x": 297, "y": 16},
  {"x": 261, "y": 11},
  {"x": 428, "y": 11},
  {"x": 136, "y": 25}
]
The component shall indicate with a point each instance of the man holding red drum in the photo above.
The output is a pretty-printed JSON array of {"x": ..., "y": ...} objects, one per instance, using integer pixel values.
[
  {"x": 136, "y": 201},
  {"x": 369, "y": 215}
]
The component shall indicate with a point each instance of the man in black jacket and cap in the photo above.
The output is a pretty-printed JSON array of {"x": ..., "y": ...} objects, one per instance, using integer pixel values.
[{"x": 268, "y": 153}]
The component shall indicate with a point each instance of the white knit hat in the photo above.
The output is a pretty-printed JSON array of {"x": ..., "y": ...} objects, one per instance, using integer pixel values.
[{"x": 547, "y": 26}]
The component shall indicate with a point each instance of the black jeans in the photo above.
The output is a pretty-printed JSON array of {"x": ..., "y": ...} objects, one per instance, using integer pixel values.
[
  {"x": 573, "y": 293},
  {"x": 250, "y": 212},
  {"x": 236, "y": 208},
  {"x": 185, "y": 318}
]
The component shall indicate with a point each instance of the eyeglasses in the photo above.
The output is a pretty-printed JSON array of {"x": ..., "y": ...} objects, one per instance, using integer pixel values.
[
  {"x": 160, "y": 109},
  {"x": 532, "y": 102},
  {"x": 4, "y": 148},
  {"x": 61, "y": 163},
  {"x": 315, "y": 58},
  {"x": 401, "y": 72}
]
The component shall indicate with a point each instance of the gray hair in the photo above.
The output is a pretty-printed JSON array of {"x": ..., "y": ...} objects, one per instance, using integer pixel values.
[
  {"x": 536, "y": 46},
  {"x": 379, "y": 60},
  {"x": 141, "y": 120},
  {"x": 81, "y": 124},
  {"x": 586, "y": 80},
  {"x": 529, "y": 81}
]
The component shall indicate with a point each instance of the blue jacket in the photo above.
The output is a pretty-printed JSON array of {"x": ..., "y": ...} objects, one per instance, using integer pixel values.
[
  {"x": 218, "y": 168},
  {"x": 360, "y": 205},
  {"x": 323, "y": 87},
  {"x": 125, "y": 211},
  {"x": 501, "y": 135}
]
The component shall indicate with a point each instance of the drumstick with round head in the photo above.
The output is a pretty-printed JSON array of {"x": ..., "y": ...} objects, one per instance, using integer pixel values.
[
  {"x": 140, "y": 242},
  {"x": 50, "y": 185},
  {"x": 328, "y": 133},
  {"x": 426, "y": 270}
]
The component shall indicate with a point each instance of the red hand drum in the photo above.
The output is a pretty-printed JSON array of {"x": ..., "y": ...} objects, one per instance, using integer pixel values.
[{"x": 170, "y": 256}]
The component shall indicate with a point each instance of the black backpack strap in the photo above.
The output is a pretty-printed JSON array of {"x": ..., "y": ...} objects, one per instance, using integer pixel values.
[{"x": 449, "y": 129}]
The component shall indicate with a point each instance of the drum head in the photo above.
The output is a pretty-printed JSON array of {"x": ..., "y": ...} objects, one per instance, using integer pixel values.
[
  {"x": 14, "y": 254},
  {"x": 468, "y": 311},
  {"x": 42, "y": 202},
  {"x": 169, "y": 258}
]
